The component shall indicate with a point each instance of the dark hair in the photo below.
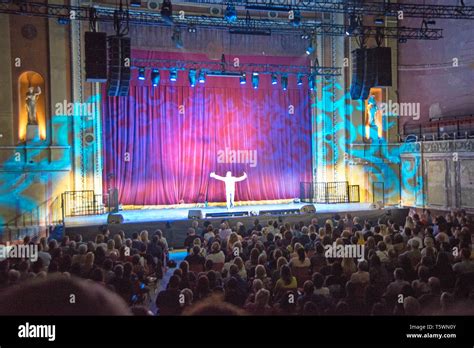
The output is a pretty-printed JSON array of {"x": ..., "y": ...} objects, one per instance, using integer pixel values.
[
  {"x": 285, "y": 274},
  {"x": 301, "y": 254}
]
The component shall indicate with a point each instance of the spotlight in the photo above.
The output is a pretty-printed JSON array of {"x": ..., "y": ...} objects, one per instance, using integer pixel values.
[
  {"x": 352, "y": 25},
  {"x": 402, "y": 40},
  {"x": 312, "y": 82},
  {"x": 284, "y": 82},
  {"x": 135, "y": 3},
  {"x": 202, "y": 77},
  {"x": 141, "y": 74},
  {"x": 63, "y": 20},
  {"x": 191, "y": 29},
  {"x": 299, "y": 81},
  {"x": 296, "y": 20},
  {"x": 243, "y": 79},
  {"x": 173, "y": 75},
  {"x": 230, "y": 14},
  {"x": 167, "y": 11},
  {"x": 176, "y": 38},
  {"x": 310, "y": 49},
  {"x": 255, "y": 80},
  {"x": 274, "y": 79},
  {"x": 192, "y": 77},
  {"x": 379, "y": 21},
  {"x": 155, "y": 77},
  {"x": 304, "y": 36}
]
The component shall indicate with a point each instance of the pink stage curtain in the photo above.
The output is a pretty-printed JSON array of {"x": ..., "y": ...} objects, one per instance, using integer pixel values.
[{"x": 161, "y": 143}]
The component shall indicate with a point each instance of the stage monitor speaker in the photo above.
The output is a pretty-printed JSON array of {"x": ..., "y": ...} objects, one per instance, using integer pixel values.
[
  {"x": 95, "y": 45},
  {"x": 115, "y": 219},
  {"x": 279, "y": 212},
  {"x": 119, "y": 66},
  {"x": 358, "y": 66},
  {"x": 369, "y": 73},
  {"x": 383, "y": 66},
  {"x": 308, "y": 209},
  {"x": 195, "y": 214},
  {"x": 227, "y": 214}
]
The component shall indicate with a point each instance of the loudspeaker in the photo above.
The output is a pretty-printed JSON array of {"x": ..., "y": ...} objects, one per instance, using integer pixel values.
[
  {"x": 227, "y": 214},
  {"x": 119, "y": 66},
  {"x": 195, "y": 214},
  {"x": 308, "y": 209},
  {"x": 358, "y": 68},
  {"x": 95, "y": 45},
  {"x": 383, "y": 66},
  {"x": 115, "y": 219},
  {"x": 369, "y": 73},
  {"x": 279, "y": 212}
]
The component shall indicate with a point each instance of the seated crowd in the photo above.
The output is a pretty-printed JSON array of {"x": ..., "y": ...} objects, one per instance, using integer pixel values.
[{"x": 422, "y": 267}]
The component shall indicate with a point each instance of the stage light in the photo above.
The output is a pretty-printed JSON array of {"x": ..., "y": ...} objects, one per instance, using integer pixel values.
[
  {"x": 296, "y": 20},
  {"x": 167, "y": 11},
  {"x": 192, "y": 77},
  {"x": 299, "y": 81},
  {"x": 202, "y": 77},
  {"x": 312, "y": 82},
  {"x": 243, "y": 79},
  {"x": 191, "y": 29},
  {"x": 284, "y": 82},
  {"x": 176, "y": 38},
  {"x": 155, "y": 77},
  {"x": 230, "y": 14},
  {"x": 379, "y": 21},
  {"x": 135, "y": 3},
  {"x": 274, "y": 79},
  {"x": 255, "y": 80},
  {"x": 173, "y": 75},
  {"x": 141, "y": 74},
  {"x": 352, "y": 25},
  {"x": 310, "y": 49}
]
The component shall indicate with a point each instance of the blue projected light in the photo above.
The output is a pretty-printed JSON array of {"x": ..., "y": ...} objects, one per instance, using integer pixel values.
[
  {"x": 312, "y": 82},
  {"x": 299, "y": 82}
]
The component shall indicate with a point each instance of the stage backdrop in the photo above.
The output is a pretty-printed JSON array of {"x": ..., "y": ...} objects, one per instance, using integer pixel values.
[{"x": 161, "y": 143}]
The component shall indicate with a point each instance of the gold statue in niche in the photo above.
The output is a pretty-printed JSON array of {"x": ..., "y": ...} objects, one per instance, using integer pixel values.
[{"x": 32, "y": 97}]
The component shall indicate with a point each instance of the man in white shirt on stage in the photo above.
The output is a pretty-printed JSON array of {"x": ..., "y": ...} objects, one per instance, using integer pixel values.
[{"x": 229, "y": 181}]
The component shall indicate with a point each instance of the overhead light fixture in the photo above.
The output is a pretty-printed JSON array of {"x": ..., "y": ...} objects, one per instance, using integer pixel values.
[
  {"x": 284, "y": 82},
  {"x": 135, "y": 3},
  {"x": 141, "y": 73},
  {"x": 274, "y": 79},
  {"x": 202, "y": 77},
  {"x": 379, "y": 21},
  {"x": 296, "y": 20},
  {"x": 173, "y": 75},
  {"x": 299, "y": 81},
  {"x": 243, "y": 79},
  {"x": 167, "y": 11},
  {"x": 230, "y": 13},
  {"x": 312, "y": 82},
  {"x": 352, "y": 25},
  {"x": 191, "y": 29},
  {"x": 255, "y": 80},
  {"x": 176, "y": 38},
  {"x": 192, "y": 77},
  {"x": 155, "y": 77},
  {"x": 310, "y": 49}
]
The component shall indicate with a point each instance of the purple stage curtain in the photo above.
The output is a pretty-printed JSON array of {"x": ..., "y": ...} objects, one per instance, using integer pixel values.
[{"x": 161, "y": 143}]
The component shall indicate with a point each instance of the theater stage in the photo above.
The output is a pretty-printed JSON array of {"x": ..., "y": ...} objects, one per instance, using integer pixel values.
[
  {"x": 174, "y": 221},
  {"x": 177, "y": 213}
]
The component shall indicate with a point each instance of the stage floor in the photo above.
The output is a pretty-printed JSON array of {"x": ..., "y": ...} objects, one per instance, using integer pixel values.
[{"x": 175, "y": 214}]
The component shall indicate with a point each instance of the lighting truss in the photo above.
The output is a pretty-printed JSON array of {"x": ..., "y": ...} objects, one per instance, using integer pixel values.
[
  {"x": 168, "y": 64},
  {"x": 257, "y": 26}
]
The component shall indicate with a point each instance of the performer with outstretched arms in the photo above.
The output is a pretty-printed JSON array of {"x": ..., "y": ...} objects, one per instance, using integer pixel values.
[{"x": 229, "y": 181}]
